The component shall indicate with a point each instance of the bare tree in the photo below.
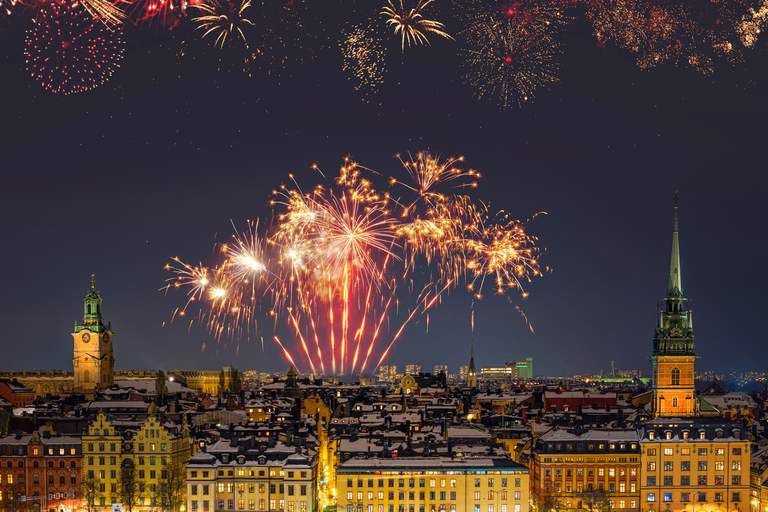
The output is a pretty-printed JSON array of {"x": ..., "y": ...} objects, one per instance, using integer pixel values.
[
  {"x": 595, "y": 500},
  {"x": 129, "y": 485},
  {"x": 171, "y": 489},
  {"x": 545, "y": 502},
  {"x": 90, "y": 489}
]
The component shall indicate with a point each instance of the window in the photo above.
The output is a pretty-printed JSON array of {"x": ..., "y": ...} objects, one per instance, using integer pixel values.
[
  {"x": 674, "y": 402},
  {"x": 651, "y": 497},
  {"x": 675, "y": 376},
  {"x": 701, "y": 497},
  {"x": 667, "y": 497},
  {"x": 668, "y": 451},
  {"x": 651, "y": 466},
  {"x": 736, "y": 497},
  {"x": 736, "y": 480},
  {"x": 651, "y": 481},
  {"x": 685, "y": 480},
  {"x": 685, "y": 465},
  {"x": 685, "y": 497},
  {"x": 668, "y": 481},
  {"x": 668, "y": 466},
  {"x": 736, "y": 465},
  {"x": 702, "y": 465}
]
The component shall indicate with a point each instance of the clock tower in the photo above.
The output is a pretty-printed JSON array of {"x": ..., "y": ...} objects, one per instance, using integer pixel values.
[
  {"x": 93, "y": 360},
  {"x": 673, "y": 352}
]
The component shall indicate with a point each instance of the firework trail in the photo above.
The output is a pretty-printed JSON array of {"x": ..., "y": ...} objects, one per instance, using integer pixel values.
[{"x": 340, "y": 261}]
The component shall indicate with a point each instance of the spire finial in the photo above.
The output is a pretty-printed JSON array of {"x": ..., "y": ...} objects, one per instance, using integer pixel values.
[
  {"x": 675, "y": 288},
  {"x": 93, "y": 281},
  {"x": 675, "y": 207}
]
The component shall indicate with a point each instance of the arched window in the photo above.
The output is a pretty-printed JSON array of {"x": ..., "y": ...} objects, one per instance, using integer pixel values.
[
  {"x": 86, "y": 376},
  {"x": 674, "y": 402},
  {"x": 675, "y": 376}
]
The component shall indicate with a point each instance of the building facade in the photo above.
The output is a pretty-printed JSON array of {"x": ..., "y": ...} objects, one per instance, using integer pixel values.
[
  {"x": 144, "y": 467},
  {"x": 432, "y": 484},
  {"x": 93, "y": 360},
  {"x": 243, "y": 482},
  {"x": 40, "y": 472},
  {"x": 587, "y": 469},
  {"x": 694, "y": 464}
]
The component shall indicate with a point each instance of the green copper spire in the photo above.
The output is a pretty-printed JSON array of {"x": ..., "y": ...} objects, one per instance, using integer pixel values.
[
  {"x": 674, "y": 331},
  {"x": 675, "y": 288},
  {"x": 92, "y": 305}
]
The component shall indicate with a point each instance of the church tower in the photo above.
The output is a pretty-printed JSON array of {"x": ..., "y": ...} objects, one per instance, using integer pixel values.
[
  {"x": 93, "y": 360},
  {"x": 471, "y": 372},
  {"x": 673, "y": 352}
]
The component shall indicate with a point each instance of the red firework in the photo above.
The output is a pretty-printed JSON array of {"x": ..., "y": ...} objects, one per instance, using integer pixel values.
[{"x": 67, "y": 51}]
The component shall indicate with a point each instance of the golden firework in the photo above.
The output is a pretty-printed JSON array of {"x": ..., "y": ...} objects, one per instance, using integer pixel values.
[
  {"x": 509, "y": 54},
  {"x": 339, "y": 264},
  {"x": 363, "y": 59},
  {"x": 223, "y": 20},
  {"x": 410, "y": 24},
  {"x": 104, "y": 11}
]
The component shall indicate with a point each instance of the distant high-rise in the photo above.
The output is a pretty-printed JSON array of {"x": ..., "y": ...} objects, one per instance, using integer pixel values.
[
  {"x": 673, "y": 351},
  {"x": 412, "y": 369},
  {"x": 387, "y": 373},
  {"x": 436, "y": 369}
]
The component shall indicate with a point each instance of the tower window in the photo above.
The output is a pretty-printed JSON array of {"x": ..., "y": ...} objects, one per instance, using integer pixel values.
[{"x": 675, "y": 376}]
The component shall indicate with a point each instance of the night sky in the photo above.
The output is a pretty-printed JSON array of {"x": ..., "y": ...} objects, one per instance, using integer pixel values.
[{"x": 159, "y": 161}]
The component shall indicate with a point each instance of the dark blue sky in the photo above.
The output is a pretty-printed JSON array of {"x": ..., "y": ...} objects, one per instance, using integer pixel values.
[{"x": 157, "y": 163}]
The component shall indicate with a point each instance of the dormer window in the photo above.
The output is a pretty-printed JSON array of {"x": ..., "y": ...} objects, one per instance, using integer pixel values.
[
  {"x": 651, "y": 435},
  {"x": 668, "y": 434},
  {"x": 686, "y": 434},
  {"x": 702, "y": 434}
]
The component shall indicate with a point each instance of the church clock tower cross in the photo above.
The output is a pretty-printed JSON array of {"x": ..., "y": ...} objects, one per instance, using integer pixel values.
[{"x": 92, "y": 360}]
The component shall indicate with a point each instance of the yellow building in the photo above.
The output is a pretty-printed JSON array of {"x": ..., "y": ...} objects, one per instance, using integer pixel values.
[
  {"x": 140, "y": 472},
  {"x": 93, "y": 361},
  {"x": 265, "y": 482},
  {"x": 587, "y": 469},
  {"x": 694, "y": 464},
  {"x": 432, "y": 484}
]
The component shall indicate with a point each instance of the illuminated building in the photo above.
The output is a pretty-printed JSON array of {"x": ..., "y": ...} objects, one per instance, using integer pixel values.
[
  {"x": 694, "y": 464},
  {"x": 40, "y": 472},
  {"x": 432, "y": 484},
  {"x": 520, "y": 370},
  {"x": 673, "y": 352},
  {"x": 412, "y": 369},
  {"x": 272, "y": 480},
  {"x": 440, "y": 368},
  {"x": 688, "y": 462},
  {"x": 387, "y": 373},
  {"x": 145, "y": 466},
  {"x": 580, "y": 469},
  {"x": 93, "y": 361}
]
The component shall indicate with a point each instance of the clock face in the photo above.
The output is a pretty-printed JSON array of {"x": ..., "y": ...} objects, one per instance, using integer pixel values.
[{"x": 86, "y": 338}]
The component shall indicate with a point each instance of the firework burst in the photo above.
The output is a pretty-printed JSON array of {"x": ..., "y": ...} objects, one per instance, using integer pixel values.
[
  {"x": 69, "y": 52},
  {"x": 510, "y": 53},
  {"x": 410, "y": 24},
  {"x": 339, "y": 263},
  {"x": 363, "y": 59},
  {"x": 223, "y": 20}
]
